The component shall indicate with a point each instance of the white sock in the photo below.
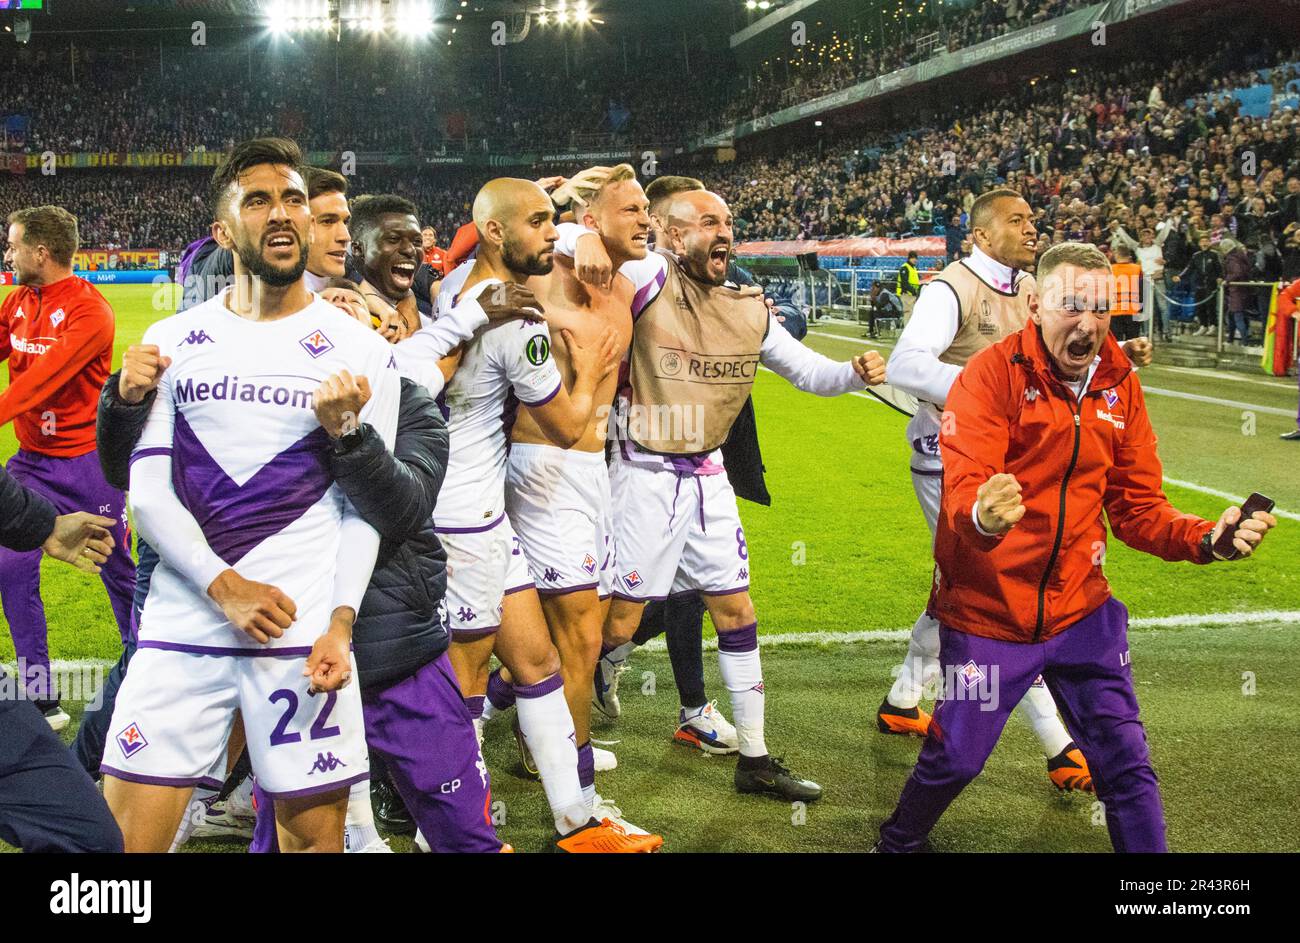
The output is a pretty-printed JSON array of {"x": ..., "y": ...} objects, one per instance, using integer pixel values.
[
  {"x": 547, "y": 727},
  {"x": 359, "y": 829},
  {"x": 742, "y": 674},
  {"x": 1040, "y": 710},
  {"x": 921, "y": 663},
  {"x": 198, "y": 799}
]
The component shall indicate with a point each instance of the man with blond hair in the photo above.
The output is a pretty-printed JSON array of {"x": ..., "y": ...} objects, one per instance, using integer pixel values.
[{"x": 1054, "y": 406}]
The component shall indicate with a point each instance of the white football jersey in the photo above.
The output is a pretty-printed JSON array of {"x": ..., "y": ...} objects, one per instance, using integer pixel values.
[
  {"x": 250, "y": 462},
  {"x": 503, "y": 366}
]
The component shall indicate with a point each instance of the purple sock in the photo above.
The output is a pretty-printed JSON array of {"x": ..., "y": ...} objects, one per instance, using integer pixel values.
[
  {"x": 475, "y": 705},
  {"x": 499, "y": 693},
  {"x": 587, "y": 773}
]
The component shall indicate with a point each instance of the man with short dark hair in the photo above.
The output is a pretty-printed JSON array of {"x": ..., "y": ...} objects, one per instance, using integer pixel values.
[
  {"x": 56, "y": 331},
  {"x": 387, "y": 250},
  {"x": 908, "y": 284}
]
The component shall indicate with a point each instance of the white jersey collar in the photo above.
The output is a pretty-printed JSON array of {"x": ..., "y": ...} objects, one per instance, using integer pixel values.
[{"x": 991, "y": 271}]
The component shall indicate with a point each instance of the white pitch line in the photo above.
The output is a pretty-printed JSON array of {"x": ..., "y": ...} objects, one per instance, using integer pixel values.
[
  {"x": 782, "y": 639},
  {"x": 1154, "y": 390},
  {"x": 1190, "y": 620},
  {"x": 1226, "y": 495},
  {"x": 1214, "y": 401},
  {"x": 1224, "y": 375}
]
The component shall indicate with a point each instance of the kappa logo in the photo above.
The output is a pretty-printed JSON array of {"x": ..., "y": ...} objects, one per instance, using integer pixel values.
[
  {"x": 20, "y": 313},
  {"x": 743, "y": 574},
  {"x": 316, "y": 344},
  {"x": 1111, "y": 398},
  {"x": 198, "y": 337},
  {"x": 325, "y": 763},
  {"x": 971, "y": 674},
  {"x": 589, "y": 564},
  {"x": 466, "y": 614},
  {"x": 633, "y": 579},
  {"x": 550, "y": 575},
  {"x": 1031, "y": 393},
  {"x": 57, "y": 317},
  {"x": 131, "y": 740}
]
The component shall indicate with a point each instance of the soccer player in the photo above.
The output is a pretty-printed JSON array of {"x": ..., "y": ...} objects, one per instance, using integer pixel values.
[
  {"x": 700, "y": 723},
  {"x": 47, "y": 803},
  {"x": 491, "y": 600},
  {"x": 971, "y": 304},
  {"x": 243, "y": 367},
  {"x": 557, "y": 498},
  {"x": 676, "y": 525},
  {"x": 1054, "y": 404},
  {"x": 386, "y": 252},
  {"x": 56, "y": 331}
]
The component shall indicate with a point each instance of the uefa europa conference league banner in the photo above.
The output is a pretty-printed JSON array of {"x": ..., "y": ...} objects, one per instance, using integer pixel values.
[{"x": 1063, "y": 27}]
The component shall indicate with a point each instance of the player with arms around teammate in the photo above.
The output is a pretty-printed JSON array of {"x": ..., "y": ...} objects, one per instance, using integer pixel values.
[
  {"x": 56, "y": 331},
  {"x": 972, "y": 303},
  {"x": 263, "y": 561},
  {"x": 697, "y": 343},
  {"x": 557, "y": 498},
  {"x": 491, "y": 600},
  {"x": 1051, "y": 410}
]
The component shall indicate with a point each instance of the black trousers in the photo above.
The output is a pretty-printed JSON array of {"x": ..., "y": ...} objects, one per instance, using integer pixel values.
[{"x": 47, "y": 801}]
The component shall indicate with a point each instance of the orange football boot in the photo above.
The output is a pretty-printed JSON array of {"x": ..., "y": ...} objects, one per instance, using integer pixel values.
[
  {"x": 905, "y": 722},
  {"x": 1069, "y": 770},
  {"x": 604, "y": 837}
]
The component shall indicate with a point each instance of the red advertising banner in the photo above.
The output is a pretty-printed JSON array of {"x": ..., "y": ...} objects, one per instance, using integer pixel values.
[{"x": 94, "y": 260}]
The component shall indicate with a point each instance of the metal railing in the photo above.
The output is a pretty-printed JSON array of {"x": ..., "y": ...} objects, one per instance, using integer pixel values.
[{"x": 1222, "y": 295}]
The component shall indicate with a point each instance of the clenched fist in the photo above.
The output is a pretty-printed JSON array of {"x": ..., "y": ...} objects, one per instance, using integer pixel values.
[
  {"x": 998, "y": 506},
  {"x": 870, "y": 368},
  {"x": 592, "y": 262},
  {"x": 1138, "y": 350},
  {"x": 338, "y": 401},
  {"x": 259, "y": 609},
  {"x": 142, "y": 370}
]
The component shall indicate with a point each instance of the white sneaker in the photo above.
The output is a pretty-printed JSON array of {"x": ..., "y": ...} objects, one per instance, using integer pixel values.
[
  {"x": 707, "y": 729},
  {"x": 605, "y": 759},
  {"x": 215, "y": 818},
  {"x": 602, "y": 809},
  {"x": 604, "y": 695},
  {"x": 56, "y": 717}
]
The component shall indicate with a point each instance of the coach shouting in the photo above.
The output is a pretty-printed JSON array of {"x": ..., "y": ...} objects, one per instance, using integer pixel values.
[{"x": 1046, "y": 430}]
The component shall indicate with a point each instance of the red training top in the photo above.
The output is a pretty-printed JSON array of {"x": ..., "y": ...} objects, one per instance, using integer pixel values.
[
  {"x": 59, "y": 343},
  {"x": 1074, "y": 461}
]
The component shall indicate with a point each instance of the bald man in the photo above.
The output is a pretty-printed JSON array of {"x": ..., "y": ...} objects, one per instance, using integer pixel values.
[
  {"x": 557, "y": 497},
  {"x": 491, "y": 599},
  {"x": 696, "y": 347}
]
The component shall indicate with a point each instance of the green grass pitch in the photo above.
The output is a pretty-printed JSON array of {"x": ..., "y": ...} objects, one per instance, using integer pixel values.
[{"x": 844, "y": 549}]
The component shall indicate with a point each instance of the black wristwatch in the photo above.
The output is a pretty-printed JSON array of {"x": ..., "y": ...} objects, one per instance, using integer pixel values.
[
  {"x": 350, "y": 440},
  {"x": 1207, "y": 547}
]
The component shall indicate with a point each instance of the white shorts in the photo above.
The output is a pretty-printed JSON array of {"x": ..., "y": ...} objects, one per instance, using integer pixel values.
[
  {"x": 558, "y": 501},
  {"x": 928, "y": 486},
  {"x": 675, "y": 532},
  {"x": 484, "y": 565},
  {"x": 175, "y": 709}
]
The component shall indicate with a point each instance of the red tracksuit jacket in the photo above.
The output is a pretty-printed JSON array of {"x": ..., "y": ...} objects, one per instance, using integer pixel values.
[
  {"x": 59, "y": 343},
  {"x": 1074, "y": 460}
]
